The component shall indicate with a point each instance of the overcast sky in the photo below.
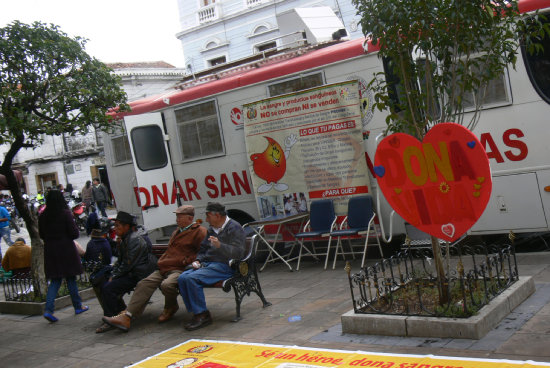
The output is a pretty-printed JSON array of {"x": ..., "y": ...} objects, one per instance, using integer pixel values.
[{"x": 118, "y": 30}]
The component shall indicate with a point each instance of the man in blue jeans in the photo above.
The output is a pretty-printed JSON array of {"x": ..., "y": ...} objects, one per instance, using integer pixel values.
[
  {"x": 5, "y": 231},
  {"x": 225, "y": 240}
]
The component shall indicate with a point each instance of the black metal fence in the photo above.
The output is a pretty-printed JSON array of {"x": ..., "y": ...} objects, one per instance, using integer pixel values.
[
  {"x": 20, "y": 286},
  {"x": 407, "y": 283}
]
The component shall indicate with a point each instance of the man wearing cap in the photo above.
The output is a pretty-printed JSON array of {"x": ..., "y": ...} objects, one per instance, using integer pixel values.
[
  {"x": 181, "y": 252},
  {"x": 225, "y": 240},
  {"x": 134, "y": 263}
]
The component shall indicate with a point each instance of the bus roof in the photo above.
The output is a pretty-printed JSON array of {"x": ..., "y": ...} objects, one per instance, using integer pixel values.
[{"x": 275, "y": 68}]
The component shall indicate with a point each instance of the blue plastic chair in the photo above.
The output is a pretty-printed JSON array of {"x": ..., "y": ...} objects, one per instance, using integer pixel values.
[
  {"x": 359, "y": 221},
  {"x": 322, "y": 220}
]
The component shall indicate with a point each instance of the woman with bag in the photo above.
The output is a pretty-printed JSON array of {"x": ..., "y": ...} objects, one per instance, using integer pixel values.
[{"x": 58, "y": 229}]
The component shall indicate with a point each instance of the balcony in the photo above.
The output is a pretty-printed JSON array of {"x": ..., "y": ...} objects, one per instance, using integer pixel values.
[
  {"x": 209, "y": 13},
  {"x": 252, "y": 3}
]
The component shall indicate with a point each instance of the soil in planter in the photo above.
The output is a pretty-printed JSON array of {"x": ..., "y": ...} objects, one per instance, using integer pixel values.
[{"x": 421, "y": 298}]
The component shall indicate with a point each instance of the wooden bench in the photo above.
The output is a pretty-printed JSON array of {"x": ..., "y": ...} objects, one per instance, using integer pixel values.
[{"x": 245, "y": 275}]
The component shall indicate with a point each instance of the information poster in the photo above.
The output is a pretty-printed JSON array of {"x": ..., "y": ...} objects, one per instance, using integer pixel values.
[
  {"x": 306, "y": 145},
  {"x": 228, "y": 354}
]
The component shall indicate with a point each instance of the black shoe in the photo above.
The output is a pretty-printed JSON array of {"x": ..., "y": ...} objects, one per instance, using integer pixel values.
[{"x": 199, "y": 321}]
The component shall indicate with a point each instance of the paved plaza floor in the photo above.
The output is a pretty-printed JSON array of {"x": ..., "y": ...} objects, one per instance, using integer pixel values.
[{"x": 317, "y": 296}]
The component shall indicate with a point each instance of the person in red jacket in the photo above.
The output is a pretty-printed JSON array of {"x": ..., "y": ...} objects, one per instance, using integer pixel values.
[{"x": 182, "y": 250}]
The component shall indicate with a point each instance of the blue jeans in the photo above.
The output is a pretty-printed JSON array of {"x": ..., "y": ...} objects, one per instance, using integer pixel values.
[
  {"x": 5, "y": 233},
  {"x": 191, "y": 284},
  {"x": 53, "y": 288}
]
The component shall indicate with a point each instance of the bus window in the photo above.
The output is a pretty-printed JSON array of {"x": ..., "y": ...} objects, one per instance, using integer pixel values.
[
  {"x": 538, "y": 66},
  {"x": 120, "y": 145},
  {"x": 149, "y": 147},
  {"x": 496, "y": 93},
  {"x": 295, "y": 84},
  {"x": 121, "y": 149},
  {"x": 199, "y": 130}
]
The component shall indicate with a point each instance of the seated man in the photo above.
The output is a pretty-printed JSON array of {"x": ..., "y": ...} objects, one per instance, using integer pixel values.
[
  {"x": 134, "y": 263},
  {"x": 181, "y": 252},
  {"x": 17, "y": 258},
  {"x": 225, "y": 240},
  {"x": 98, "y": 257}
]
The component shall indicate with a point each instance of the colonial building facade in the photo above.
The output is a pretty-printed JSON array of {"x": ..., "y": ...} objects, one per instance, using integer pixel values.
[{"x": 223, "y": 31}]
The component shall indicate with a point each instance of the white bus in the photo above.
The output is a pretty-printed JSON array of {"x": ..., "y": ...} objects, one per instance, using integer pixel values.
[{"x": 187, "y": 145}]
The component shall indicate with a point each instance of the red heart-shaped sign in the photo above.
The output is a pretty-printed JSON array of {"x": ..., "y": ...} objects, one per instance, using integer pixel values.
[{"x": 440, "y": 185}]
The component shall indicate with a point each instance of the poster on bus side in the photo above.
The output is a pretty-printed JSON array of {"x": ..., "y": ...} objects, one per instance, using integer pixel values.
[{"x": 304, "y": 146}]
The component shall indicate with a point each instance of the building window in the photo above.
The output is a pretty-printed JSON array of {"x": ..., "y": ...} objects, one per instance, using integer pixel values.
[
  {"x": 296, "y": 84},
  {"x": 199, "y": 131},
  {"x": 265, "y": 46},
  {"x": 260, "y": 29},
  {"x": 121, "y": 149},
  {"x": 538, "y": 66},
  {"x": 217, "y": 61}
]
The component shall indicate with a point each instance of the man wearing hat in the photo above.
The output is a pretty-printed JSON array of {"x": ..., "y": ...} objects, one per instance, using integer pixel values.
[
  {"x": 134, "y": 263},
  {"x": 225, "y": 240},
  {"x": 181, "y": 252}
]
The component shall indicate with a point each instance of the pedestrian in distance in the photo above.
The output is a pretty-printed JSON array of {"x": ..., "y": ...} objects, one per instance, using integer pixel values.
[
  {"x": 181, "y": 252},
  {"x": 225, "y": 240},
  {"x": 58, "y": 230},
  {"x": 101, "y": 196},
  {"x": 87, "y": 197}
]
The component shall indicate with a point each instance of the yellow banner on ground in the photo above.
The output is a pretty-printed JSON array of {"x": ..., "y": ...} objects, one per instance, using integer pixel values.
[{"x": 229, "y": 354}]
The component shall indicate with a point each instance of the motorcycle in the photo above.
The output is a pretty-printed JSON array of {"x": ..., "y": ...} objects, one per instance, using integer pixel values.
[{"x": 79, "y": 213}]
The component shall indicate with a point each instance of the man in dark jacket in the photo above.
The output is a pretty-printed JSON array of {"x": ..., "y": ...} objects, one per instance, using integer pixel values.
[
  {"x": 101, "y": 196},
  {"x": 225, "y": 240},
  {"x": 134, "y": 263},
  {"x": 181, "y": 252}
]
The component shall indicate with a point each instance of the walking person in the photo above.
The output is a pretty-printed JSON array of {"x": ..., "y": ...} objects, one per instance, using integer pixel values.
[
  {"x": 87, "y": 197},
  {"x": 5, "y": 231},
  {"x": 101, "y": 196},
  {"x": 58, "y": 230}
]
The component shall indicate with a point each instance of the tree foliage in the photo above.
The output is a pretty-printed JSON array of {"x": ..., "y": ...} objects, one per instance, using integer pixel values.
[
  {"x": 438, "y": 55},
  {"x": 49, "y": 85},
  {"x": 442, "y": 52}
]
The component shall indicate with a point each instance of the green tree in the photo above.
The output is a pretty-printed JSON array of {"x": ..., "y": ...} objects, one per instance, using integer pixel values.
[
  {"x": 438, "y": 54},
  {"x": 49, "y": 85}
]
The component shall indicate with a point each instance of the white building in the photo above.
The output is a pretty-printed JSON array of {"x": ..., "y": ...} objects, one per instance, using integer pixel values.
[{"x": 223, "y": 31}]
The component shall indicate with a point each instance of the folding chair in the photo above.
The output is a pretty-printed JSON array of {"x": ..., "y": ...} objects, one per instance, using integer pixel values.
[
  {"x": 358, "y": 222},
  {"x": 322, "y": 220}
]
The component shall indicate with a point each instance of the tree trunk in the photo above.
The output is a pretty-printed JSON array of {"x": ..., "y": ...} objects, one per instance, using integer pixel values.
[
  {"x": 37, "y": 246},
  {"x": 442, "y": 283}
]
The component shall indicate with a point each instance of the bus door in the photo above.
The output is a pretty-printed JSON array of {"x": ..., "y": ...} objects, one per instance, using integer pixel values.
[{"x": 153, "y": 168}]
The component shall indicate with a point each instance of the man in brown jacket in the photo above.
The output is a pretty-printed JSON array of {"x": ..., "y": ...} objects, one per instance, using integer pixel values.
[{"x": 181, "y": 252}]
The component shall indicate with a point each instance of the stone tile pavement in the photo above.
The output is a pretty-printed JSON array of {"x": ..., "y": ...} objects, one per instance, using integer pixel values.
[{"x": 318, "y": 297}]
